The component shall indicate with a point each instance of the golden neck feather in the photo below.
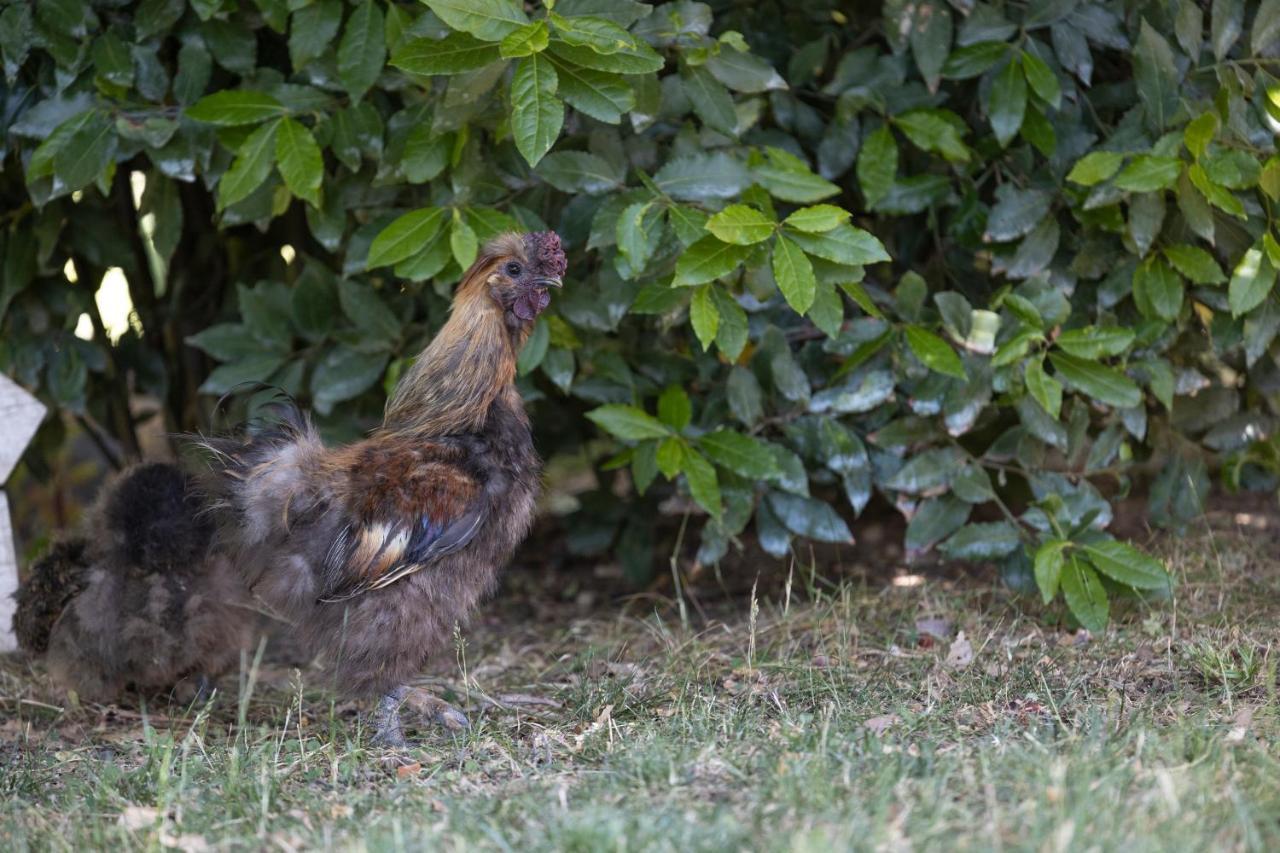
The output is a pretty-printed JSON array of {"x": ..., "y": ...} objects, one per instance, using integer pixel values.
[{"x": 455, "y": 380}]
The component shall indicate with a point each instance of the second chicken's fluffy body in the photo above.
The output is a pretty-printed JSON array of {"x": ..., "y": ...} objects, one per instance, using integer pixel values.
[
  {"x": 136, "y": 599},
  {"x": 375, "y": 550}
]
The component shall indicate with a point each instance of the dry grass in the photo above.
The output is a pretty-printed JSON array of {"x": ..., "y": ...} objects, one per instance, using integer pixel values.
[{"x": 853, "y": 714}]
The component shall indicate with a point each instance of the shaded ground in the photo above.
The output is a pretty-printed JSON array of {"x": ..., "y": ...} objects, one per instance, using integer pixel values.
[{"x": 884, "y": 709}]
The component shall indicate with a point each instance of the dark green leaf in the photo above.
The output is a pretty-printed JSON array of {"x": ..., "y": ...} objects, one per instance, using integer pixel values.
[
  {"x": 537, "y": 114},
  {"x": 299, "y": 159},
  {"x": 1085, "y": 594},
  {"x": 405, "y": 236},
  {"x": 627, "y": 422},
  {"x": 1101, "y": 383},
  {"x": 1251, "y": 281},
  {"x": 808, "y": 517},
  {"x": 454, "y": 54},
  {"x": 1008, "y": 102},
  {"x": 741, "y": 454},
  {"x": 934, "y": 352},
  {"x": 794, "y": 274},
  {"x": 235, "y": 107},
  {"x": 877, "y": 165},
  {"x": 491, "y": 20},
  {"x": 1127, "y": 564}
]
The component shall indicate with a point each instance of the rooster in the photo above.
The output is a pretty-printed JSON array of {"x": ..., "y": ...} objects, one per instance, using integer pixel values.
[
  {"x": 374, "y": 551},
  {"x": 136, "y": 598}
]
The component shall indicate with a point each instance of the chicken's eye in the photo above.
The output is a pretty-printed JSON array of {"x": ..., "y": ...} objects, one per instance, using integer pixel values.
[{"x": 513, "y": 268}]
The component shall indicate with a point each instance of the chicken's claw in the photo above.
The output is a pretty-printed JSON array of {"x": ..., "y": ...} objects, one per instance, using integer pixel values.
[{"x": 437, "y": 710}]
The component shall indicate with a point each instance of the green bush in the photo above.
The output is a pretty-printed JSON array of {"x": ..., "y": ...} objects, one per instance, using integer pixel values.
[{"x": 1076, "y": 197}]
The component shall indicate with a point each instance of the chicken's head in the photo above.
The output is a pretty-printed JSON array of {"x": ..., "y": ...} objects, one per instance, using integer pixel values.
[{"x": 521, "y": 270}]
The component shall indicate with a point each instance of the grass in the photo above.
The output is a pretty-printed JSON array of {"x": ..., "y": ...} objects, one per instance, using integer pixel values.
[{"x": 833, "y": 720}]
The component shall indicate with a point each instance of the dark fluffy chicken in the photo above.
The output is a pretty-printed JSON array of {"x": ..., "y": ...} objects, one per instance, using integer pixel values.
[
  {"x": 136, "y": 598},
  {"x": 375, "y": 550}
]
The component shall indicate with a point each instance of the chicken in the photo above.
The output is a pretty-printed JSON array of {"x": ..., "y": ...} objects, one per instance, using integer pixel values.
[
  {"x": 52, "y": 581},
  {"x": 374, "y": 551},
  {"x": 136, "y": 598}
]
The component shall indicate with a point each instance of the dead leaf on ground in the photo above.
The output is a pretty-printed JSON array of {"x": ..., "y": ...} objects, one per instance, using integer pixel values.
[
  {"x": 408, "y": 771},
  {"x": 138, "y": 817},
  {"x": 961, "y": 653},
  {"x": 935, "y": 627},
  {"x": 879, "y": 725},
  {"x": 187, "y": 842},
  {"x": 1241, "y": 723}
]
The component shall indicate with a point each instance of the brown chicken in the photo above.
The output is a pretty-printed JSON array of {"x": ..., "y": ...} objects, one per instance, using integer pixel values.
[
  {"x": 376, "y": 550},
  {"x": 136, "y": 598}
]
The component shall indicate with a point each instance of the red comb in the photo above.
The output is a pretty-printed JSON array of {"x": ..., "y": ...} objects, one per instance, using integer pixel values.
[{"x": 546, "y": 253}]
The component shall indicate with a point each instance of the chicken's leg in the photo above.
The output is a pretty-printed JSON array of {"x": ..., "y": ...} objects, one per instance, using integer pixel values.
[{"x": 388, "y": 731}]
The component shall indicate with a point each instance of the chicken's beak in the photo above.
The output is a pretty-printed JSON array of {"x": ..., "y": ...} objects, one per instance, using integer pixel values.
[{"x": 548, "y": 282}]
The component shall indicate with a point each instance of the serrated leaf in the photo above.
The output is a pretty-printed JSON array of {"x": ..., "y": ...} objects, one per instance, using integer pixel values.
[
  {"x": 627, "y": 422},
  {"x": 527, "y": 40},
  {"x": 1085, "y": 594},
  {"x": 600, "y": 34},
  {"x": 700, "y": 475},
  {"x": 1200, "y": 132},
  {"x": 1195, "y": 263},
  {"x": 405, "y": 236},
  {"x": 638, "y": 58},
  {"x": 674, "y": 408},
  {"x": 578, "y": 171},
  {"x": 1102, "y": 383},
  {"x": 1127, "y": 564},
  {"x": 537, "y": 114},
  {"x": 741, "y": 454},
  {"x": 1008, "y": 102},
  {"x": 809, "y": 517},
  {"x": 707, "y": 260},
  {"x": 300, "y": 161},
  {"x": 934, "y": 353},
  {"x": 877, "y": 165},
  {"x": 741, "y": 224},
  {"x": 363, "y": 49},
  {"x": 794, "y": 274},
  {"x": 1043, "y": 388},
  {"x": 1157, "y": 289},
  {"x": 490, "y": 20},
  {"x": 254, "y": 159},
  {"x": 1049, "y": 560},
  {"x": 1095, "y": 341},
  {"x": 982, "y": 541},
  {"x": 1095, "y": 167},
  {"x": 235, "y": 107},
  {"x": 789, "y": 178},
  {"x": 817, "y": 219},
  {"x": 603, "y": 96},
  {"x": 1251, "y": 281},
  {"x": 1147, "y": 173},
  {"x": 711, "y": 100},
  {"x": 703, "y": 316},
  {"x": 1041, "y": 79},
  {"x": 456, "y": 53}
]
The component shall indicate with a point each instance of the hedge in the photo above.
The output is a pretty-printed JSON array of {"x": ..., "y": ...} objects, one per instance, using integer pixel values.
[{"x": 983, "y": 263}]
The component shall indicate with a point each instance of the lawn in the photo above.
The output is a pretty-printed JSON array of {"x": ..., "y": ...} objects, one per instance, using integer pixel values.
[{"x": 830, "y": 710}]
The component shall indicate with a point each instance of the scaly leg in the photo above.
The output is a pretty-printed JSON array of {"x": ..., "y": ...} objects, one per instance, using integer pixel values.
[
  {"x": 388, "y": 730},
  {"x": 204, "y": 688}
]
